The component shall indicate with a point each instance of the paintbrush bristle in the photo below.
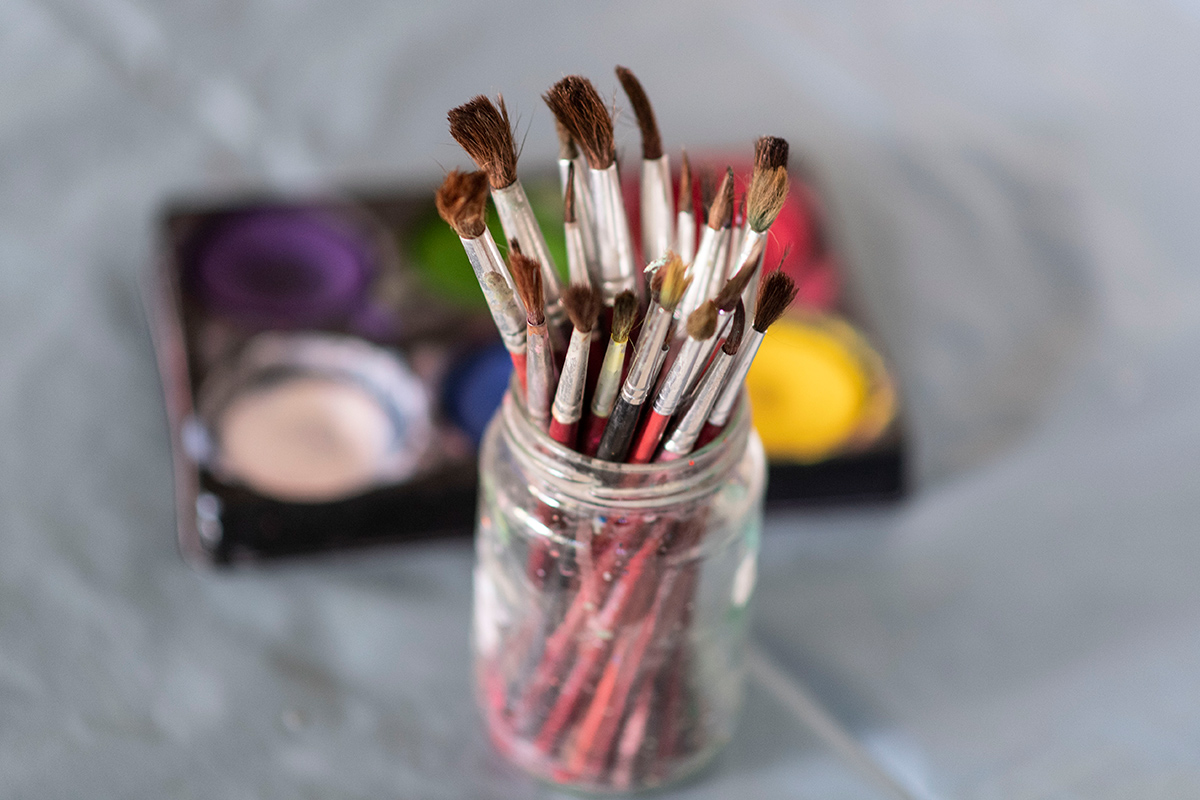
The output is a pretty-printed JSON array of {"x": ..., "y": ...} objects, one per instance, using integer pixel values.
[
  {"x": 702, "y": 323},
  {"x": 500, "y": 288},
  {"x": 583, "y": 304},
  {"x": 675, "y": 282},
  {"x": 687, "y": 192},
  {"x": 625, "y": 308},
  {"x": 727, "y": 298},
  {"x": 569, "y": 196},
  {"x": 461, "y": 200},
  {"x": 566, "y": 142},
  {"x": 579, "y": 107},
  {"x": 734, "y": 340},
  {"x": 774, "y": 296},
  {"x": 765, "y": 197},
  {"x": 720, "y": 214},
  {"x": 651, "y": 139},
  {"x": 527, "y": 275},
  {"x": 482, "y": 129},
  {"x": 770, "y": 152}
]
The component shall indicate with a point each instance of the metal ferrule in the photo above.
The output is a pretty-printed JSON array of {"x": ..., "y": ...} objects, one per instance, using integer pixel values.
[
  {"x": 720, "y": 270},
  {"x": 568, "y": 399},
  {"x": 539, "y": 375},
  {"x": 701, "y": 271},
  {"x": 732, "y": 390},
  {"x": 658, "y": 207},
  {"x": 508, "y": 314},
  {"x": 518, "y": 221},
  {"x": 683, "y": 437},
  {"x": 608, "y": 384},
  {"x": 585, "y": 211},
  {"x": 685, "y": 236},
  {"x": 679, "y": 377},
  {"x": 754, "y": 244},
  {"x": 617, "y": 269},
  {"x": 646, "y": 359},
  {"x": 577, "y": 269}
]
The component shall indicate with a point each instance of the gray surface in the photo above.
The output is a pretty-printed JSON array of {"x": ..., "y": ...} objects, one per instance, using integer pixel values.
[{"x": 1017, "y": 189}]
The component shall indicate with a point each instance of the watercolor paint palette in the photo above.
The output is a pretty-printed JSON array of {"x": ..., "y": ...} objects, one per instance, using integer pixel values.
[{"x": 329, "y": 367}]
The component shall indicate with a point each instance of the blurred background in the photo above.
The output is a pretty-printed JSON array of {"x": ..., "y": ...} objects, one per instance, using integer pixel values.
[{"x": 1014, "y": 188}]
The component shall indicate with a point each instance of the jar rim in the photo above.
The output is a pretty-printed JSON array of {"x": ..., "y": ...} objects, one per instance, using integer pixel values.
[{"x": 590, "y": 480}]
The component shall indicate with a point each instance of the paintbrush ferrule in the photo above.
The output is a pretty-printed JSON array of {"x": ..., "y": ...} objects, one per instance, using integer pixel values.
[
  {"x": 506, "y": 312},
  {"x": 754, "y": 243},
  {"x": 683, "y": 437},
  {"x": 518, "y": 222},
  {"x": 608, "y": 383},
  {"x": 685, "y": 236},
  {"x": 585, "y": 212},
  {"x": 568, "y": 398},
  {"x": 679, "y": 377},
  {"x": 576, "y": 254},
  {"x": 647, "y": 359},
  {"x": 617, "y": 267},
  {"x": 539, "y": 375},
  {"x": 711, "y": 245},
  {"x": 657, "y": 205},
  {"x": 732, "y": 390}
]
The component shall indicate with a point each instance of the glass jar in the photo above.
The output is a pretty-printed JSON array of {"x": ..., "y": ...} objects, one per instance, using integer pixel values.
[{"x": 610, "y": 603}]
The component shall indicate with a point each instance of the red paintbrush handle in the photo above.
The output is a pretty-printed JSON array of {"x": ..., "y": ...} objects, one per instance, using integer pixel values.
[
  {"x": 707, "y": 434},
  {"x": 564, "y": 432},
  {"x": 652, "y": 434},
  {"x": 593, "y": 433}
]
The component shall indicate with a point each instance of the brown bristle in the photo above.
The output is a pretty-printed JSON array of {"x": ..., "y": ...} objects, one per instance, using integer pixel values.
[
  {"x": 569, "y": 196},
  {"x": 483, "y": 131},
  {"x": 579, "y": 107},
  {"x": 774, "y": 296},
  {"x": 462, "y": 202},
  {"x": 527, "y": 275},
  {"x": 720, "y": 215},
  {"x": 702, "y": 323},
  {"x": 498, "y": 285},
  {"x": 727, "y": 298},
  {"x": 674, "y": 281},
  {"x": 656, "y": 283},
  {"x": 734, "y": 340},
  {"x": 687, "y": 193},
  {"x": 766, "y": 196},
  {"x": 770, "y": 152},
  {"x": 566, "y": 142},
  {"x": 708, "y": 189},
  {"x": 651, "y": 140},
  {"x": 583, "y": 304},
  {"x": 625, "y": 308}
]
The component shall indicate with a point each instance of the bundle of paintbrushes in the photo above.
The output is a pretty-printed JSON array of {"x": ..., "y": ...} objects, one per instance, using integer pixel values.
[{"x": 636, "y": 358}]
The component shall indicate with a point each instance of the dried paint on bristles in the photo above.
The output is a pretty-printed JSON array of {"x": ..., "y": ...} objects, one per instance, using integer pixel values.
[
  {"x": 566, "y": 142},
  {"x": 687, "y": 192},
  {"x": 583, "y": 304},
  {"x": 774, "y": 296},
  {"x": 625, "y": 308},
  {"x": 527, "y": 275},
  {"x": 500, "y": 288},
  {"x": 702, "y": 323},
  {"x": 734, "y": 340},
  {"x": 727, "y": 298},
  {"x": 675, "y": 282},
  {"x": 720, "y": 214},
  {"x": 579, "y": 107},
  {"x": 770, "y": 152},
  {"x": 482, "y": 129},
  {"x": 461, "y": 200},
  {"x": 651, "y": 139},
  {"x": 569, "y": 196}
]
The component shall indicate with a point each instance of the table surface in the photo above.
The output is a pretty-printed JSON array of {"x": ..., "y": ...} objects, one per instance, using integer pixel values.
[{"x": 1017, "y": 191}]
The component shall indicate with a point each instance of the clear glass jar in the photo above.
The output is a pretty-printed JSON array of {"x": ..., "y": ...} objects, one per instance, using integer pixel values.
[{"x": 610, "y": 603}]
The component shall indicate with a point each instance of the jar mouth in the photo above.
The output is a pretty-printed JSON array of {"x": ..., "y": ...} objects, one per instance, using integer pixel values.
[{"x": 590, "y": 480}]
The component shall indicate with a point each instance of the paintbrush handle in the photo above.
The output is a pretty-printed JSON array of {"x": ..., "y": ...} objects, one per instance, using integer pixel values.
[{"x": 618, "y": 434}]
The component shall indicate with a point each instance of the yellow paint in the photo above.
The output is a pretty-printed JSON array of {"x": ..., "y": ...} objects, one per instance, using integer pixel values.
[{"x": 808, "y": 389}]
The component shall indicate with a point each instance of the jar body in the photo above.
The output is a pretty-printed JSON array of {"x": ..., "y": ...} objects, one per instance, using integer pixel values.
[{"x": 610, "y": 604}]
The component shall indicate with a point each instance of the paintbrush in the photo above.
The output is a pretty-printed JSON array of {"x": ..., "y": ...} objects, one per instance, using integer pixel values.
[
  {"x": 583, "y": 305},
  {"x": 618, "y": 434},
  {"x": 657, "y": 205},
  {"x": 539, "y": 362},
  {"x": 483, "y": 130},
  {"x": 764, "y": 200},
  {"x": 685, "y": 220},
  {"x": 701, "y": 325},
  {"x": 569, "y": 158},
  {"x": 774, "y": 296},
  {"x": 608, "y": 382},
  {"x": 712, "y": 253},
  {"x": 577, "y": 263},
  {"x": 461, "y": 200},
  {"x": 581, "y": 110},
  {"x": 726, "y": 301},
  {"x": 685, "y": 433}
]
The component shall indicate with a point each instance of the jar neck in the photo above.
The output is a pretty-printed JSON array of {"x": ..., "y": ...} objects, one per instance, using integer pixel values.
[{"x": 564, "y": 473}]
